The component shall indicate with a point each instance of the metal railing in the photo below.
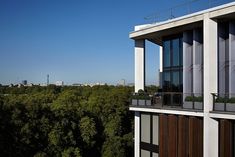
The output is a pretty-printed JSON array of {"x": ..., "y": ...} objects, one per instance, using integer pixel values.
[
  {"x": 170, "y": 100},
  {"x": 182, "y": 9},
  {"x": 224, "y": 102}
]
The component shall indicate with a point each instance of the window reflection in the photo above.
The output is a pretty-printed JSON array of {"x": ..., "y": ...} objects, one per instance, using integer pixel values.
[
  {"x": 175, "y": 52},
  {"x": 167, "y": 56},
  {"x": 173, "y": 71}
]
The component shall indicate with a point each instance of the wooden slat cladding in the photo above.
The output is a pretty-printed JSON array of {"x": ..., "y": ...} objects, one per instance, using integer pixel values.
[
  {"x": 172, "y": 136},
  {"x": 225, "y": 138},
  {"x": 195, "y": 137},
  {"x": 163, "y": 140},
  {"x": 183, "y": 135},
  {"x": 180, "y": 136}
]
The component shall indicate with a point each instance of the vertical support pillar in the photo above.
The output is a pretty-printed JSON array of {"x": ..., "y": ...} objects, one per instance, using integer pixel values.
[
  {"x": 137, "y": 134},
  {"x": 210, "y": 58},
  {"x": 187, "y": 63},
  {"x": 232, "y": 58},
  {"x": 161, "y": 66},
  {"x": 139, "y": 65},
  {"x": 197, "y": 61}
]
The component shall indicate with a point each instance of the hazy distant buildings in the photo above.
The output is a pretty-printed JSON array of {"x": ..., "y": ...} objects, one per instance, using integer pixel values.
[
  {"x": 24, "y": 82},
  {"x": 59, "y": 83},
  {"x": 122, "y": 82}
]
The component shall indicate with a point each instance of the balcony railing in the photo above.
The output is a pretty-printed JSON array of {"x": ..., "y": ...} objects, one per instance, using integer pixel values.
[
  {"x": 223, "y": 102},
  {"x": 182, "y": 9},
  {"x": 188, "y": 101}
]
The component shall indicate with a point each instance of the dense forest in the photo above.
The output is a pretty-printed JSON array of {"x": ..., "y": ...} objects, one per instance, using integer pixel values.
[{"x": 66, "y": 121}]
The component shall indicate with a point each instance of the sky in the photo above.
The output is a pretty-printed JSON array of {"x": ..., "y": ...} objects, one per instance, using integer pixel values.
[{"x": 76, "y": 41}]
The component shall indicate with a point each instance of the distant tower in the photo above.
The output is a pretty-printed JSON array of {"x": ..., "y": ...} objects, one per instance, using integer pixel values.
[
  {"x": 24, "y": 82},
  {"x": 47, "y": 79}
]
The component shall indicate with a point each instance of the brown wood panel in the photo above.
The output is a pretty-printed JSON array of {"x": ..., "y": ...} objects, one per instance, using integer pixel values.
[
  {"x": 225, "y": 138},
  {"x": 172, "y": 136},
  {"x": 195, "y": 137},
  {"x": 163, "y": 138},
  {"x": 199, "y": 131},
  {"x": 191, "y": 133},
  {"x": 183, "y": 147}
]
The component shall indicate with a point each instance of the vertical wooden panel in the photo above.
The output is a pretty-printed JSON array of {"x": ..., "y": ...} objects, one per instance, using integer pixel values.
[
  {"x": 183, "y": 136},
  {"x": 163, "y": 138},
  {"x": 226, "y": 138},
  {"x": 191, "y": 132},
  {"x": 195, "y": 137},
  {"x": 200, "y": 137},
  {"x": 221, "y": 138},
  {"x": 172, "y": 136}
]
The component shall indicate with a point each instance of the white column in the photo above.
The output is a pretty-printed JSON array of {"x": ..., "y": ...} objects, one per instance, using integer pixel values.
[
  {"x": 197, "y": 62},
  {"x": 161, "y": 65},
  {"x": 161, "y": 58},
  {"x": 210, "y": 141},
  {"x": 187, "y": 63},
  {"x": 232, "y": 59},
  {"x": 139, "y": 65},
  {"x": 137, "y": 134}
]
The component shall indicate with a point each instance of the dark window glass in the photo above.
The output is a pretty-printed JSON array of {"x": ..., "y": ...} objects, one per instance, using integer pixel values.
[
  {"x": 172, "y": 79},
  {"x": 181, "y": 51},
  {"x": 166, "y": 53},
  {"x": 175, "y": 52},
  {"x": 181, "y": 81},
  {"x": 167, "y": 81},
  {"x": 175, "y": 81}
]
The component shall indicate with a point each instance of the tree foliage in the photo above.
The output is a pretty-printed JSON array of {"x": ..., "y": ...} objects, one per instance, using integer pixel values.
[{"x": 66, "y": 121}]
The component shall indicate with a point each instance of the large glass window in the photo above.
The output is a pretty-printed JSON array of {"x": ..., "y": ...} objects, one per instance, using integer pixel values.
[
  {"x": 172, "y": 81},
  {"x": 167, "y": 81},
  {"x": 149, "y": 135},
  {"x": 175, "y": 52}
]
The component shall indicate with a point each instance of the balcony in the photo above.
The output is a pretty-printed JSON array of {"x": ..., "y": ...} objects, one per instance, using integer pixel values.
[
  {"x": 223, "y": 102},
  {"x": 168, "y": 100}
]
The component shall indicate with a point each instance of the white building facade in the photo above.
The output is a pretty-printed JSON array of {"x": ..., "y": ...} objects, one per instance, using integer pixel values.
[{"x": 194, "y": 115}]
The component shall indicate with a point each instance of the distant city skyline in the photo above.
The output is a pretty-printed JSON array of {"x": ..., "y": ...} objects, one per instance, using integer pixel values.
[{"x": 75, "y": 41}]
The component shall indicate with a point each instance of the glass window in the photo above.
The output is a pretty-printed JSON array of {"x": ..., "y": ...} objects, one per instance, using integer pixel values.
[
  {"x": 172, "y": 80},
  {"x": 181, "y": 51},
  {"x": 166, "y": 81},
  {"x": 155, "y": 129},
  {"x": 155, "y": 155},
  {"x": 145, "y": 153},
  {"x": 166, "y": 53},
  {"x": 145, "y": 128},
  {"x": 175, "y": 52},
  {"x": 181, "y": 81},
  {"x": 175, "y": 81},
  {"x": 149, "y": 130}
]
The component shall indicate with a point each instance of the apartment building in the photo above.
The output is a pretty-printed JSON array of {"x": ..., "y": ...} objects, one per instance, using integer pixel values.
[{"x": 194, "y": 114}]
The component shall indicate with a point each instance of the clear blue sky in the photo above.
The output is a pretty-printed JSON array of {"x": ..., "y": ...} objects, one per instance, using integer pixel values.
[{"x": 77, "y": 41}]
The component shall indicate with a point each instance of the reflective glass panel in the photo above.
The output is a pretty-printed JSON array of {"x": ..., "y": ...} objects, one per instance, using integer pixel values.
[
  {"x": 167, "y": 81},
  {"x": 166, "y": 53},
  {"x": 175, "y": 52},
  {"x": 175, "y": 81}
]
